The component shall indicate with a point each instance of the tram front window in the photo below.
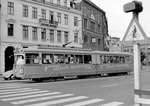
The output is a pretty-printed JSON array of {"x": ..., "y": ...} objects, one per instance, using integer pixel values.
[{"x": 20, "y": 60}]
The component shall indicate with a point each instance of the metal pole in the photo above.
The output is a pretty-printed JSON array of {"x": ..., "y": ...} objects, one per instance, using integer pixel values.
[{"x": 137, "y": 69}]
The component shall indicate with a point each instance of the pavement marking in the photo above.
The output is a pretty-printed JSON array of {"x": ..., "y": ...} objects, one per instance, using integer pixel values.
[
  {"x": 111, "y": 85},
  {"x": 58, "y": 101},
  {"x": 9, "y": 87},
  {"x": 85, "y": 102},
  {"x": 113, "y": 104},
  {"x": 42, "y": 98},
  {"x": 14, "y": 89},
  {"x": 30, "y": 96},
  {"x": 23, "y": 90},
  {"x": 23, "y": 94}
]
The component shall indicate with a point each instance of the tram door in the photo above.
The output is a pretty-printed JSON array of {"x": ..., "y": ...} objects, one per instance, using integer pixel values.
[{"x": 9, "y": 58}]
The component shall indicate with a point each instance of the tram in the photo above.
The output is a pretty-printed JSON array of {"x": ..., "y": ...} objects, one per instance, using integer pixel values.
[{"x": 40, "y": 63}]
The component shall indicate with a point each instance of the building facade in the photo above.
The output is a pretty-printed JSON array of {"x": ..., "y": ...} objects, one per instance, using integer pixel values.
[
  {"x": 94, "y": 26},
  {"x": 115, "y": 44},
  {"x": 36, "y": 22}
]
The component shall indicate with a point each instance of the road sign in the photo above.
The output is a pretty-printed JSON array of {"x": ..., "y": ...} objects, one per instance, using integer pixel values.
[{"x": 134, "y": 31}]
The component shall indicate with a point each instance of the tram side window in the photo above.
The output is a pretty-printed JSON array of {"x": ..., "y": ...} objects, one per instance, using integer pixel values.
[
  {"x": 32, "y": 58},
  {"x": 59, "y": 58},
  {"x": 111, "y": 59},
  {"x": 79, "y": 59},
  {"x": 87, "y": 59},
  {"x": 127, "y": 59},
  {"x": 47, "y": 59}
]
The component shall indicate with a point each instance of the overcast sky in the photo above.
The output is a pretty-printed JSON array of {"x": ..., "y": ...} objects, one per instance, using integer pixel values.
[{"x": 118, "y": 20}]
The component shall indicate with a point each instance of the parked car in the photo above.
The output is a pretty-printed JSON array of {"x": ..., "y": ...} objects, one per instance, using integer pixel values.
[{"x": 9, "y": 75}]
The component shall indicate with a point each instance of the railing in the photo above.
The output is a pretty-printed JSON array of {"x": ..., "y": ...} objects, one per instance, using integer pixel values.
[{"x": 49, "y": 23}]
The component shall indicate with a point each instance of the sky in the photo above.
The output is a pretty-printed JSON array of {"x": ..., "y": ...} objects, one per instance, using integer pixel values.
[{"x": 118, "y": 20}]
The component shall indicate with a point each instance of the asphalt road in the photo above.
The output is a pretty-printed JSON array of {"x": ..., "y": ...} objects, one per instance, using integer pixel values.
[{"x": 101, "y": 91}]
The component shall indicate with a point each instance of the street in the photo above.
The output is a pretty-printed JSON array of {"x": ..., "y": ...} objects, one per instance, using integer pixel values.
[{"x": 100, "y": 91}]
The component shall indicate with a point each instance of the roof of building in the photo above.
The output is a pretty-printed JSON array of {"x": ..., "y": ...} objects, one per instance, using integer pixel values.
[{"x": 94, "y": 5}]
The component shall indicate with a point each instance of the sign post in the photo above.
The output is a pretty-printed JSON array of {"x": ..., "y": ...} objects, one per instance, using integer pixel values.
[
  {"x": 135, "y": 33},
  {"x": 137, "y": 69}
]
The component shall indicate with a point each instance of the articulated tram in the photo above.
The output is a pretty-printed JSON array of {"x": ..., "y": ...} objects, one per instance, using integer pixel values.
[{"x": 40, "y": 63}]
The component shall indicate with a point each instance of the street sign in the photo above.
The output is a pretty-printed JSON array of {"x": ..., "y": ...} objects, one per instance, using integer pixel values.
[{"x": 134, "y": 31}]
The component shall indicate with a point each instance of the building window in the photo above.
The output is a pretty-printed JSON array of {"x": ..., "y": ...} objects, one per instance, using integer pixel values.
[
  {"x": 65, "y": 3},
  {"x": 51, "y": 32},
  {"x": 58, "y": 2},
  {"x": 92, "y": 26},
  {"x": 98, "y": 27},
  {"x": 43, "y": 13},
  {"x": 59, "y": 17},
  {"x": 34, "y": 33},
  {"x": 43, "y": 33},
  {"x": 10, "y": 29},
  {"x": 25, "y": 32},
  {"x": 65, "y": 37},
  {"x": 10, "y": 8},
  {"x": 93, "y": 40},
  {"x": 25, "y": 11},
  {"x": 34, "y": 12},
  {"x": 66, "y": 19},
  {"x": 99, "y": 41},
  {"x": 85, "y": 23},
  {"x": 76, "y": 37},
  {"x": 51, "y": 1},
  {"x": 75, "y": 21},
  {"x": 43, "y": 1},
  {"x": 85, "y": 39},
  {"x": 58, "y": 36},
  {"x": 51, "y": 16}
]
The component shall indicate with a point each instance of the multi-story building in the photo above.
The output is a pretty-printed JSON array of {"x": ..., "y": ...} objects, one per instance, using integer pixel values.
[
  {"x": 94, "y": 26},
  {"x": 36, "y": 22}
]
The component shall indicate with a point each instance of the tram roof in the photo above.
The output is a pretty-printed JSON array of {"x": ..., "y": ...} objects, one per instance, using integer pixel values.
[
  {"x": 113, "y": 53},
  {"x": 57, "y": 50},
  {"x": 71, "y": 50}
]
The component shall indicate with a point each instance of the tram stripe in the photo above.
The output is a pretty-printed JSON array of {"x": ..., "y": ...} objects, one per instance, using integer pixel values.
[
  {"x": 30, "y": 96},
  {"x": 112, "y": 104},
  {"x": 14, "y": 89},
  {"x": 18, "y": 91},
  {"x": 40, "y": 99},
  {"x": 85, "y": 102},
  {"x": 58, "y": 101},
  {"x": 22, "y": 94}
]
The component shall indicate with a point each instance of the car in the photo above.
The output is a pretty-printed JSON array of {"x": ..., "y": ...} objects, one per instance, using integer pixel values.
[{"x": 9, "y": 75}]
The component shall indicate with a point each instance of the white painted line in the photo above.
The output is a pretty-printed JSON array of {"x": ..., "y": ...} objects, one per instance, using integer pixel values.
[
  {"x": 85, "y": 102},
  {"x": 23, "y": 90},
  {"x": 22, "y": 94},
  {"x": 30, "y": 96},
  {"x": 112, "y": 104},
  {"x": 59, "y": 101},
  {"x": 9, "y": 87},
  {"x": 40, "y": 99},
  {"x": 111, "y": 85},
  {"x": 14, "y": 89}
]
